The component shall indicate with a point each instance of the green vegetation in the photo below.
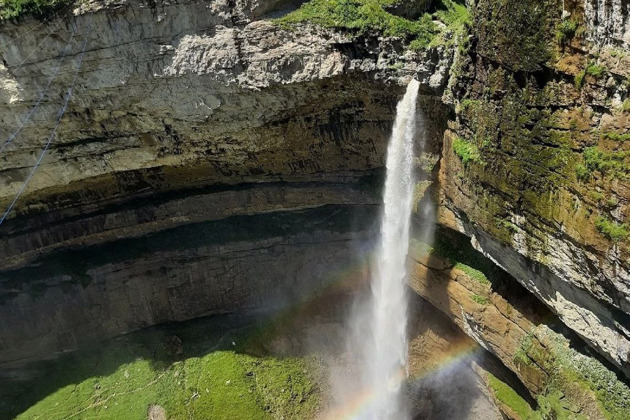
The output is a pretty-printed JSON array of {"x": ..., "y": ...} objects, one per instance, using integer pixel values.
[
  {"x": 506, "y": 224},
  {"x": 456, "y": 18},
  {"x": 566, "y": 31},
  {"x": 575, "y": 379},
  {"x": 588, "y": 373},
  {"x": 579, "y": 79},
  {"x": 186, "y": 375},
  {"x": 11, "y": 9},
  {"x": 608, "y": 163},
  {"x": 582, "y": 172},
  {"x": 362, "y": 16},
  {"x": 625, "y": 106},
  {"x": 371, "y": 16},
  {"x": 612, "y": 135},
  {"x": 596, "y": 70},
  {"x": 456, "y": 249},
  {"x": 611, "y": 229},
  {"x": 472, "y": 273},
  {"x": 481, "y": 300},
  {"x": 467, "y": 151},
  {"x": 504, "y": 393}
]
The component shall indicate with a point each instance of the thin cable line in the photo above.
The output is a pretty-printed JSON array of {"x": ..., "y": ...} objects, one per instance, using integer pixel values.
[
  {"x": 33, "y": 51},
  {"x": 41, "y": 96},
  {"x": 54, "y": 131},
  {"x": 47, "y": 20}
]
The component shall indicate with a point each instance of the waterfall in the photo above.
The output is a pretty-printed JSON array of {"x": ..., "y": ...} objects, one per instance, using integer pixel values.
[{"x": 386, "y": 358}]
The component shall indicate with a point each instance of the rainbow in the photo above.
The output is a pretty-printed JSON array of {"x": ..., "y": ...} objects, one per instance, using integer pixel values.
[{"x": 358, "y": 406}]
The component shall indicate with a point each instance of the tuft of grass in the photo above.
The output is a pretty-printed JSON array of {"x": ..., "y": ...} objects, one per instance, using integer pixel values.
[
  {"x": 481, "y": 300},
  {"x": 467, "y": 151},
  {"x": 504, "y": 393},
  {"x": 579, "y": 79},
  {"x": 596, "y": 70},
  {"x": 566, "y": 30},
  {"x": 582, "y": 172},
  {"x": 473, "y": 273},
  {"x": 611, "y": 229},
  {"x": 625, "y": 106}
]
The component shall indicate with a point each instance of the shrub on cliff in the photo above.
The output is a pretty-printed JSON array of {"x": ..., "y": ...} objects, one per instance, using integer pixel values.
[
  {"x": 371, "y": 16},
  {"x": 11, "y": 9}
]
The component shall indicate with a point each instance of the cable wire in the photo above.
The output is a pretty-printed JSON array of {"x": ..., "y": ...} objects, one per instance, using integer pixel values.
[
  {"x": 41, "y": 96},
  {"x": 47, "y": 20},
  {"x": 54, "y": 131}
]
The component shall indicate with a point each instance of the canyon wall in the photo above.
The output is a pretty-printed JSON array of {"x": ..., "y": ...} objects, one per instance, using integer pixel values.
[
  {"x": 212, "y": 160},
  {"x": 200, "y": 147},
  {"x": 535, "y": 166}
]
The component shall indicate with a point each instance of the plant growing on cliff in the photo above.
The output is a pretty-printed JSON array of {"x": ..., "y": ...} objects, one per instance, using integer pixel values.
[
  {"x": 612, "y": 135},
  {"x": 611, "y": 163},
  {"x": 361, "y": 16},
  {"x": 11, "y": 9},
  {"x": 467, "y": 151},
  {"x": 372, "y": 16},
  {"x": 506, "y": 395},
  {"x": 579, "y": 79},
  {"x": 611, "y": 229},
  {"x": 481, "y": 300},
  {"x": 596, "y": 70},
  {"x": 566, "y": 30}
]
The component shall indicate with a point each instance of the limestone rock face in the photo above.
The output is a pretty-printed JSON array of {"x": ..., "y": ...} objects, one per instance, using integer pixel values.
[
  {"x": 526, "y": 162},
  {"x": 186, "y": 117},
  {"x": 493, "y": 309},
  {"x": 608, "y": 22}
]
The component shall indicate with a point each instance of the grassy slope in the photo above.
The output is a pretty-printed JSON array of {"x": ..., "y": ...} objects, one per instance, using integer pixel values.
[
  {"x": 363, "y": 16},
  {"x": 122, "y": 378}
]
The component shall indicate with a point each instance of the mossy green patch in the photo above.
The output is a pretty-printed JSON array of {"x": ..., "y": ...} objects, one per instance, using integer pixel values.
[
  {"x": 611, "y": 229},
  {"x": 575, "y": 378},
  {"x": 473, "y": 273},
  {"x": 613, "y": 163},
  {"x": 614, "y": 136},
  {"x": 506, "y": 395},
  {"x": 481, "y": 300},
  {"x": 522, "y": 41},
  {"x": 466, "y": 151}
]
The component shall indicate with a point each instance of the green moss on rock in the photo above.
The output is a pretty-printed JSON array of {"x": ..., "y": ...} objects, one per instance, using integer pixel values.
[
  {"x": 522, "y": 41},
  {"x": 611, "y": 229},
  {"x": 467, "y": 151}
]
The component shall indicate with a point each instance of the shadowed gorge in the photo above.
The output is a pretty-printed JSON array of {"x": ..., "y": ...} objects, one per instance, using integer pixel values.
[{"x": 315, "y": 209}]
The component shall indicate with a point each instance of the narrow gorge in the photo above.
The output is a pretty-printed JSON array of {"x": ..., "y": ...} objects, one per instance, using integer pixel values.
[{"x": 192, "y": 195}]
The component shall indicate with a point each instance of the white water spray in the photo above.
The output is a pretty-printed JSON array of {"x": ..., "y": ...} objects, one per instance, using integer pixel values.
[{"x": 386, "y": 352}]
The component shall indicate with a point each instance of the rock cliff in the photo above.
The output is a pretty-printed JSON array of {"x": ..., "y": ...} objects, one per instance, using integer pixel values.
[{"x": 228, "y": 155}]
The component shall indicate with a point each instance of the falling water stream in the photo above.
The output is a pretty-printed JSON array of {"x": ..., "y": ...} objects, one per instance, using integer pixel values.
[{"x": 385, "y": 367}]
